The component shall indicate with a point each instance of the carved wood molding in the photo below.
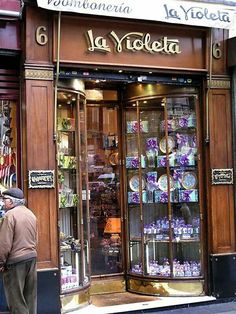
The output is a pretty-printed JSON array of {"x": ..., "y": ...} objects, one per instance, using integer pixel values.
[
  {"x": 219, "y": 82},
  {"x": 42, "y": 73}
]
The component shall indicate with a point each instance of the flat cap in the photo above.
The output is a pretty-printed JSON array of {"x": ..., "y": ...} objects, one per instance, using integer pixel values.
[{"x": 13, "y": 192}]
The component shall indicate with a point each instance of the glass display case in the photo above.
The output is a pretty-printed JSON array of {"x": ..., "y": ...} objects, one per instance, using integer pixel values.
[
  {"x": 73, "y": 190},
  {"x": 163, "y": 199}
]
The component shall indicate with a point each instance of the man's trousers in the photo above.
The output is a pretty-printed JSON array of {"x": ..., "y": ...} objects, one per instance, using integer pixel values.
[{"x": 20, "y": 285}]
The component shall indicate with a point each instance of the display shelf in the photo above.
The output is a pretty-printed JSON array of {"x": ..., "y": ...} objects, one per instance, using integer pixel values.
[{"x": 135, "y": 239}]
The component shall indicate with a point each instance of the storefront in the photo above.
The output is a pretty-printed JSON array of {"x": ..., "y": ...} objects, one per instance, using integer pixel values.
[{"x": 128, "y": 145}]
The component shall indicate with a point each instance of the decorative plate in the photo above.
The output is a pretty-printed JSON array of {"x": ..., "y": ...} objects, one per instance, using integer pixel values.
[
  {"x": 171, "y": 144},
  {"x": 134, "y": 183},
  {"x": 189, "y": 180},
  {"x": 113, "y": 159},
  {"x": 163, "y": 185}
]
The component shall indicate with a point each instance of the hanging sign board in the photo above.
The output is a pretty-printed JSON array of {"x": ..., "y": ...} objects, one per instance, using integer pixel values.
[
  {"x": 41, "y": 179},
  {"x": 168, "y": 11},
  {"x": 222, "y": 176}
]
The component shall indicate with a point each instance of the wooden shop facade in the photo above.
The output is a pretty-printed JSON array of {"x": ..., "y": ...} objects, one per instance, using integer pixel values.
[{"x": 127, "y": 156}]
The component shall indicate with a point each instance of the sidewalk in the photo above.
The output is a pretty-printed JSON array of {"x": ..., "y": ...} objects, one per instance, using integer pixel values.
[{"x": 165, "y": 305}]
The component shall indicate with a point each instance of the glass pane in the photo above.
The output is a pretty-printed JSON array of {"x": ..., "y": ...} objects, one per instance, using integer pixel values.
[
  {"x": 155, "y": 209},
  {"x": 70, "y": 244},
  {"x": 184, "y": 194},
  {"x": 84, "y": 190},
  {"x": 135, "y": 255},
  {"x": 157, "y": 258},
  {"x": 162, "y": 187},
  {"x": 186, "y": 261},
  {"x": 133, "y": 161},
  {"x": 104, "y": 186}
]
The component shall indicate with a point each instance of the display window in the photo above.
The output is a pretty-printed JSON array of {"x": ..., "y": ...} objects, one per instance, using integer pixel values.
[
  {"x": 162, "y": 183},
  {"x": 73, "y": 192}
]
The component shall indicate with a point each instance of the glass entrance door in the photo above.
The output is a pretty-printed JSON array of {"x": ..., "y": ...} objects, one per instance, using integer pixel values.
[{"x": 105, "y": 191}]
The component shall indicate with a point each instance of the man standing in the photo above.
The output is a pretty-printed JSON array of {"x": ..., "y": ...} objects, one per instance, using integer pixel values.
[{"x": 18, "y": 239}]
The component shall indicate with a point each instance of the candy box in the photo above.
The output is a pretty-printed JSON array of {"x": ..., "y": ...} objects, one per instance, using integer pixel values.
[
  {"x": 134, "y": 197},
  {"x": 185, "y": 159},
  {"x": 133, "y": 162},
  {"x": 133, "y": 126},
  {"x": 151, "y": 177},
  {"x": 188, "y": 195},
  {"x": 162, "y": 161},
  {"x": 152, "y": 144},
  {"x": 171, "y": 125},
  {"x": 187, "y": 121},
  {"x": 162, "y": 197}
]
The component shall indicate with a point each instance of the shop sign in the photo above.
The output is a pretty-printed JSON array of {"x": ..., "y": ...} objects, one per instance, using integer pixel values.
[
  {"x": 222, "y": 176},
  {"x": 168, "y": 11},
  {"x": 133, "y": 41},
  {"x": 41, "y": 179}
]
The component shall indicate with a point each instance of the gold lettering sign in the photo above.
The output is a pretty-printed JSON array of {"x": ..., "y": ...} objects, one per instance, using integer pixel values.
[{"x": 133, "y": 42}]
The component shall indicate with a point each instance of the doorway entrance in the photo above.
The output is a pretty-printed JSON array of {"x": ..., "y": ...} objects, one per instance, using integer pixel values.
[{"x": 104, "y": 185}]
